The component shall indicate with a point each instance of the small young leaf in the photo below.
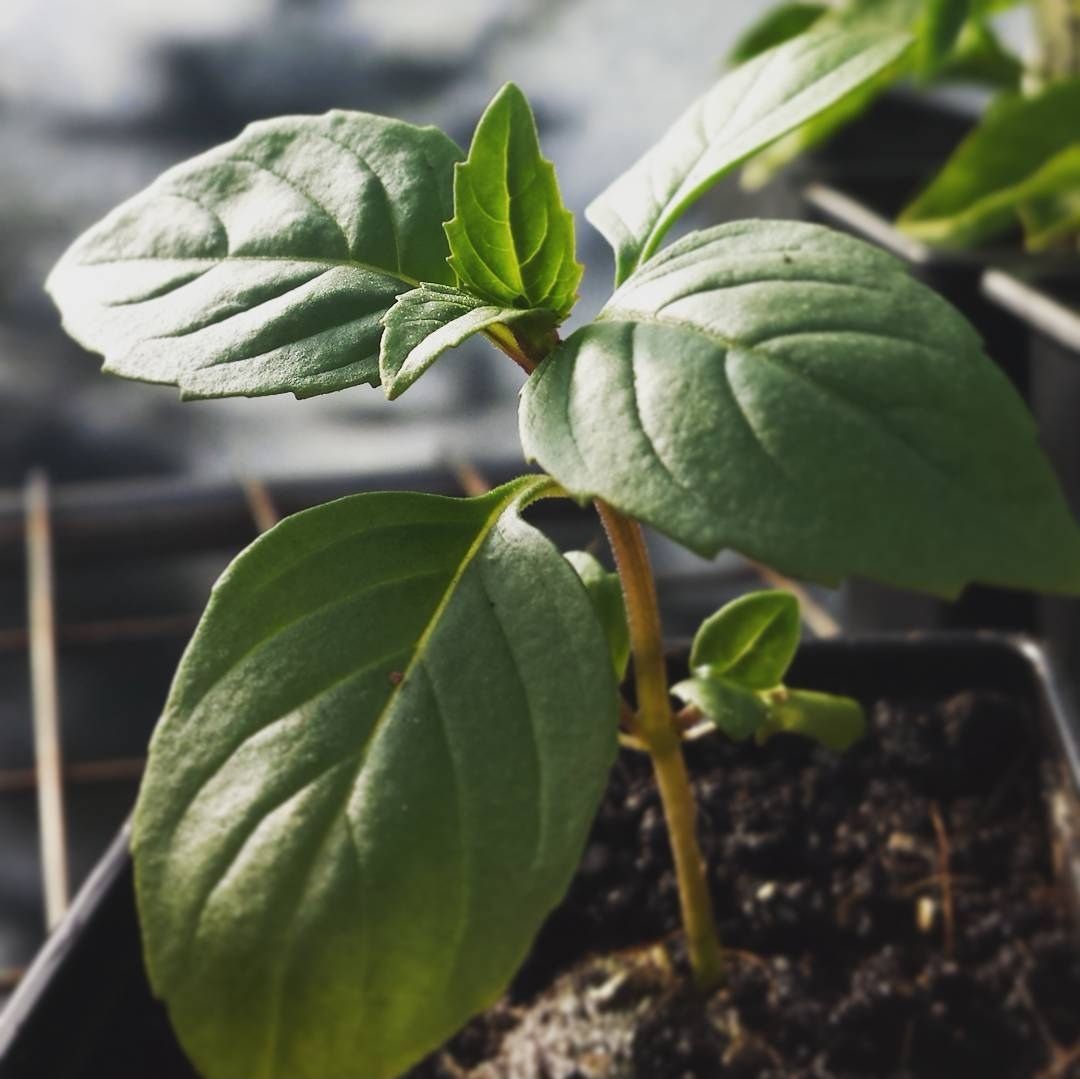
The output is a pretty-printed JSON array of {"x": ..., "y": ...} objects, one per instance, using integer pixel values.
[
  {"x": 750, "y": 641},
  {"x": 792, "y": 393},
  {"x": 777, "y": 25},
  {"x": 749, "y": 108},
  {"x": 374, "y": 777},
  {"x": 426, "y": 322},
  {"x": 267, "y": 264},
  {"x": 1024, "y": 148},
  {"x": 511, "y": 239},
  {"x": 606, "y": 594},
  {"x": 737, "y": 711},
  {"x": 836, "y": 722}
]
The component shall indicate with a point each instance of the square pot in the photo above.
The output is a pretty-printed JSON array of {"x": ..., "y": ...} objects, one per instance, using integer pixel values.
[
  {"x": 1047, "y": 306},
  {"x": 84, "y": 1009}
]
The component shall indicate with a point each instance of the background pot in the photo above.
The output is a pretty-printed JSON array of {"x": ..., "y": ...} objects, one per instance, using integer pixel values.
[{"x": 1047, "y": 306}]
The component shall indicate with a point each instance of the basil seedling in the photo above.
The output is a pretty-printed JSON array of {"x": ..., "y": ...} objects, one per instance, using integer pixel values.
[{"x": 387, "y": 739}]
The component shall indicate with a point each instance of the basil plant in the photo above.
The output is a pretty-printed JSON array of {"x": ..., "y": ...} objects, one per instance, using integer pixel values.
[{"x": 387, "y": 739}]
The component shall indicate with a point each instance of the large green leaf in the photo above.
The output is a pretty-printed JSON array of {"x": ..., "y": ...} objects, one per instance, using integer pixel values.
[
  {"x": 427, "y": 321},
  {"x": 374, "y": 777},
  {"x": 1024, "y": 148},
  {"x": 749, "y": 108},
  {"x": 794, "y": 394},
  {"x": 511, "y": 239},
  {"x": 266, "y": 264}
]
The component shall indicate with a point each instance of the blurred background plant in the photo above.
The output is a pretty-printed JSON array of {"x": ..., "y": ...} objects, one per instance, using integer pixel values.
[{"x": 1018, "y": 170}]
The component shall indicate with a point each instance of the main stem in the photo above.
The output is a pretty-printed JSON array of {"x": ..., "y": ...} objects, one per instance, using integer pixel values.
[
  {"x": 655, "y": 727},
  {"x": 655, "y": 724}
]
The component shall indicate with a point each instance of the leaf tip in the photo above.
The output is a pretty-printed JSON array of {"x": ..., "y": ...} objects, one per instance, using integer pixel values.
[{"x": 392, "y": 388}]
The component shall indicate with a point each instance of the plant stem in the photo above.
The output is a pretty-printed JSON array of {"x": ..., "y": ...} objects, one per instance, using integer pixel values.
[
  {"x": 654, "y": 724},
  {"x": 655, "y": 727}
]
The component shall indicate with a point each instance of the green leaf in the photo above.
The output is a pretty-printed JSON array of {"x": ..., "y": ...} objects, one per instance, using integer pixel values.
[
  {"x": 836, "y": 722},
  {"x": 937, "y": 30},
  {"x": 749, "y": 108},
  {"x": 427, "y": 321},
  {"x": 935, "y": 25},
  {"x": 374, "y": 778},
  {"x": 980, "y": 57},
  {"x": 511, "y": 239},
  {"x": 763, "y": 167},
  {"x": 750, "y": 641},
  {"x": 884, "y": 14},
  {"x": 267, "y": 264},
  {"x": 1051, "y": 220},
  {"x": 792, "y": 393},
  {"x": 1023, "y": 149},
  {"x": 605, "y": 592},
  {"x": 776, "y": 26},
  {"x": 975, "y": 56},
  {"x": 737, "y": 711}
]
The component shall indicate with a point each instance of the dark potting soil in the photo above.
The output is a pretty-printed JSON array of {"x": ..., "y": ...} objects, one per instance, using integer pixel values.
[{"x": 891, "y": 911}]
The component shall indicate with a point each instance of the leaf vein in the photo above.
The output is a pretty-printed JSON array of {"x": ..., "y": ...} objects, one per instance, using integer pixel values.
[{"x": 303, "y": 192}]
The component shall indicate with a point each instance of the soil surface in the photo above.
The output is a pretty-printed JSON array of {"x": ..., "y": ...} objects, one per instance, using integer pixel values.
[{"x": 890, "y": 911}]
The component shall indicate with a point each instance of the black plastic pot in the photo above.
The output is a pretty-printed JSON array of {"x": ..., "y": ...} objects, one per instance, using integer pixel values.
[
  {"x": 84, "y": 1009},
  {"x": 1047, "y": 306}
]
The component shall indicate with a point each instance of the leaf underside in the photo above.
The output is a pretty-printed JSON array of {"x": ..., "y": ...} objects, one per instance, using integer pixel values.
[
  {"x": 373, "y": 779},
  {"x": 267, "y": 264},
  {"x": 794, "y": 394},
  {"x": 511, "y": 238},
  {"x": 431, "y": 319},
  {"x": 737, "y": 711},
  {"x": 749, "y": 108}
]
